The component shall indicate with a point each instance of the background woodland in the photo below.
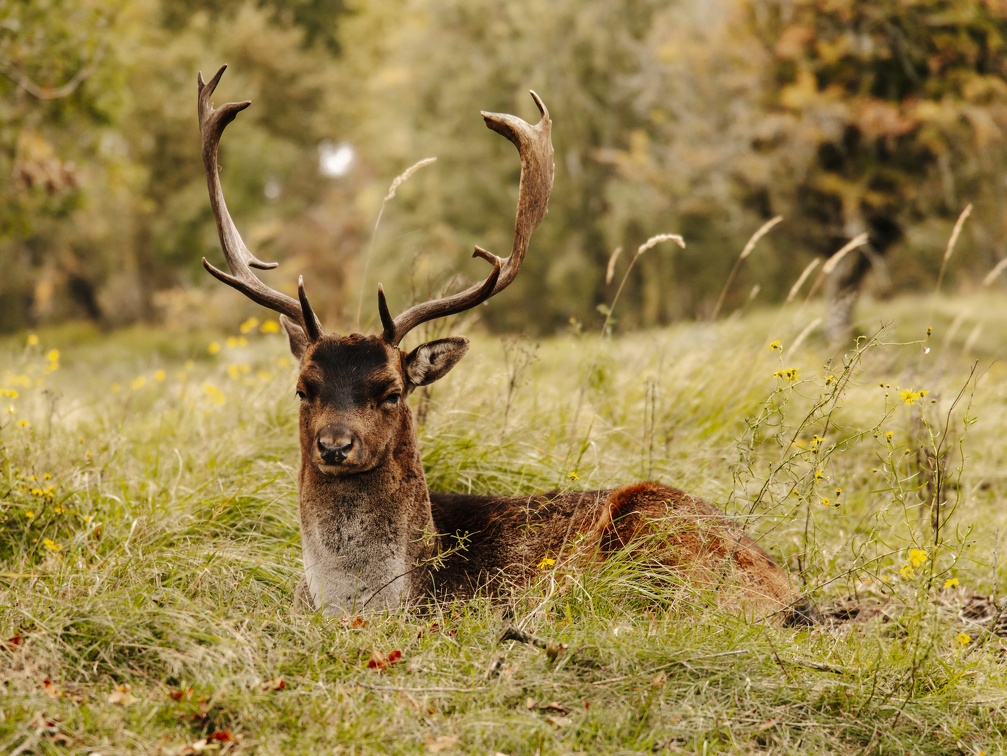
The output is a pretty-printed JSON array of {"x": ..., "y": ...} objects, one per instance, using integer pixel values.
[{"x": 700, "y": 118}]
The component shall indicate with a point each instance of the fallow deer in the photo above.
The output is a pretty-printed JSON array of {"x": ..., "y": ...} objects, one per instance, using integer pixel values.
[{"x": 373, "y": 535}]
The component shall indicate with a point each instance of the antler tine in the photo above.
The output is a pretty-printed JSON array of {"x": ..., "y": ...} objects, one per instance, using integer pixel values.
[
  {"x": 212, "y": 122},
  {"x": 534, "y": 145}
]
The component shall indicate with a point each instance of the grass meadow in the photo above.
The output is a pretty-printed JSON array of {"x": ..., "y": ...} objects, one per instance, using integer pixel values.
[{"x": 149, "y": 545}]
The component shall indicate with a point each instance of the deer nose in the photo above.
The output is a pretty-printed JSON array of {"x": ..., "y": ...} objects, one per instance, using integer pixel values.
[{"x": 335, "y": 444}]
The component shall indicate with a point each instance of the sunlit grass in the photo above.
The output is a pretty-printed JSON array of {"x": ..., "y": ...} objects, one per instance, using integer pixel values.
[{"x": 149, "y": 539}]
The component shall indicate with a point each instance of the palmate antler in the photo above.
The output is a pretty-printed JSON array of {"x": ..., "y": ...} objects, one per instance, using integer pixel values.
[{"x": 534, "y": 144}]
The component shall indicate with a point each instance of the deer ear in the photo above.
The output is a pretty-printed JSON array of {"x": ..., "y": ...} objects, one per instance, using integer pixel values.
[
  {"x": 432, "y": 361},
  {"x": 295, "y": 335}
]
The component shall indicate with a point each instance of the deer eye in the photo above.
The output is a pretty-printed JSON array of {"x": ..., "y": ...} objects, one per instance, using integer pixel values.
[
  {"x": 391, "y": 400},
  {"x": 301, "y": 395}
]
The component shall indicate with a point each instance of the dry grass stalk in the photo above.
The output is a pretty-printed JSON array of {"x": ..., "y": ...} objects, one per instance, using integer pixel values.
[
  {"x": 802, "y": 278},
  {"x": 392, "y": 189},
  {"x": 649, "y": 244},
  {"x": 857, "y": 241},
  {"x": 655, "y": 240},
  {"x": 802, "y": 336},
  {"x": 610, "y": 269},
  {"x": 995, "y": 272},
  {"x": 745, "y": 252},
  {"x": 404, "y": 176},
  {"x": 955, "y": 233}
]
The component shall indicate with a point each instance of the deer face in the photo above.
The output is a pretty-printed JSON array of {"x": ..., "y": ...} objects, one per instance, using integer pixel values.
[{"x": 353, "y": 392}]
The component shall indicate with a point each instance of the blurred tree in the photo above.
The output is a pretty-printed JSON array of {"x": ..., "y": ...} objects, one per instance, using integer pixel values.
[
  {"x": 421, "y": 70},
  {"x": 106, "y": 202},
  {"x": 880, "y": 117}
]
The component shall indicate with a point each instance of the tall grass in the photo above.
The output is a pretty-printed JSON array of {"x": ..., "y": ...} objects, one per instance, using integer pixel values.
[{"x": 149, "y": 548}]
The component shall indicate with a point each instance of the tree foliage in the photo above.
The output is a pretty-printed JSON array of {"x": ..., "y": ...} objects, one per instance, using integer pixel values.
[{"x": 699, "y": 118}]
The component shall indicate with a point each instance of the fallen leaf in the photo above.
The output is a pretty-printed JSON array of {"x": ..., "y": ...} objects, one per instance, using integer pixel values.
[
  {"x": 379, "y": 660},
  {"x": 222, "y": 736},
  {"x": 182, "y": 694},
  {"x": 13, "y": 642},
  {"x": 353, "y": 622},
  {"x": 277, "y": 683},
  {"x": 554, "y": 706},
  {"x": 558, "y": 721},
  {"x": 50, "y": 689},
  {"x": 121, "y": 696}
]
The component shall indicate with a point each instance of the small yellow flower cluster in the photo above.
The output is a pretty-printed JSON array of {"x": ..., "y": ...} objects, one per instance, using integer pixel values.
[
  {"x": 546, "y": 562},
  {"x": 816, "y": 442},
  {"x": 573, "y": 475},
  {"x": 233, "y": 342},
  {"x": 914, "y": 560},
  {"x": 51, "y": 544},
  {"x": 951, "y": 583},
  {"x": 963, "y": 639},
  {"x": 776, "y": 346},
  {"x": 51, "y": 361},
  {"x": 910, "y": 396},
  {"x": 9, "y": 392},
  {"x": 791, "y": 374},
  {"x": 249, "y": 325}
]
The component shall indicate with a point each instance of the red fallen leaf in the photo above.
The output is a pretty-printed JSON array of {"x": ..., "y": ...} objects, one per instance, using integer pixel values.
[
  {"x": 182, "y": 694},
  {"x": 221, "y": 736},
  {"x": 356, "y": 623},
  {"x": 13, "y": 642},
  {"x": 277, "y": 683},
  {"x": 394, "y": 656},
  {"x": 377, "y": 661}
]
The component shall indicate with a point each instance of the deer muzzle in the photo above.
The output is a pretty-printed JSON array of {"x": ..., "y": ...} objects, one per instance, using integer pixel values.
[{"x": 336, "y": 444}]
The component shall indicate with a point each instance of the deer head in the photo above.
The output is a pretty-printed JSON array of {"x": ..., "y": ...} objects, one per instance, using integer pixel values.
[
  {"x": 353, "y": 388},
  {"x": 358, "y": 444}
]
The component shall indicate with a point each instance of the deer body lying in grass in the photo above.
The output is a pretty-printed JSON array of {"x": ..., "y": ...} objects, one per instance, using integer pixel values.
[{"x": 373, "y": 535}]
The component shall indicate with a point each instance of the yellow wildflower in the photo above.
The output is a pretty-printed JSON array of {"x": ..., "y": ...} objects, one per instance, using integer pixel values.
[
  {"x": 32, "y": 340},
  {"x": 825, "y": 501},
  {"x": 249, "y": 325},
  {"x": 909, "y": 396},
  {"x": 816, "y": 441},
  {"x": 59, "y": 509},
  {"x": 917, "y": 557},
  {"x": 269, "y": 326},
  {"x": 53, "y": 355},
  {"x": 9, "y": 392},
  {"x": 951, "y": 582},
  {"x": 23, "y": 423},
  {"x": 51, "y": 544},
  {"x": 160, "y": 375},
  {"x": 10, "y": 409},
  {"x": 29, "y": 515},
  {"x": 214, "y": 393},
  {"x": 573, "y": 475},
  {"x": 906, "y": 571},
  {"x": 546, "y": 562},
  {"x": 138, "y": 383},
  {"x": 234, "y": 342},
  {"x": 115, "y": 388},
  {"x": 264, "y": 375},
  {"x": 213, "y": 348},
  {"x": 963, "y": 639},
  {"x": 776, "y": 346},
  {"x": 889, "y": 435},
  {"x": 819, "y": 475}
]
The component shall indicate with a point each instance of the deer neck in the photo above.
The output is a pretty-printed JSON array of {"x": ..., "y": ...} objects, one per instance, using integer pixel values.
[{"x": 365, "y": 537}]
